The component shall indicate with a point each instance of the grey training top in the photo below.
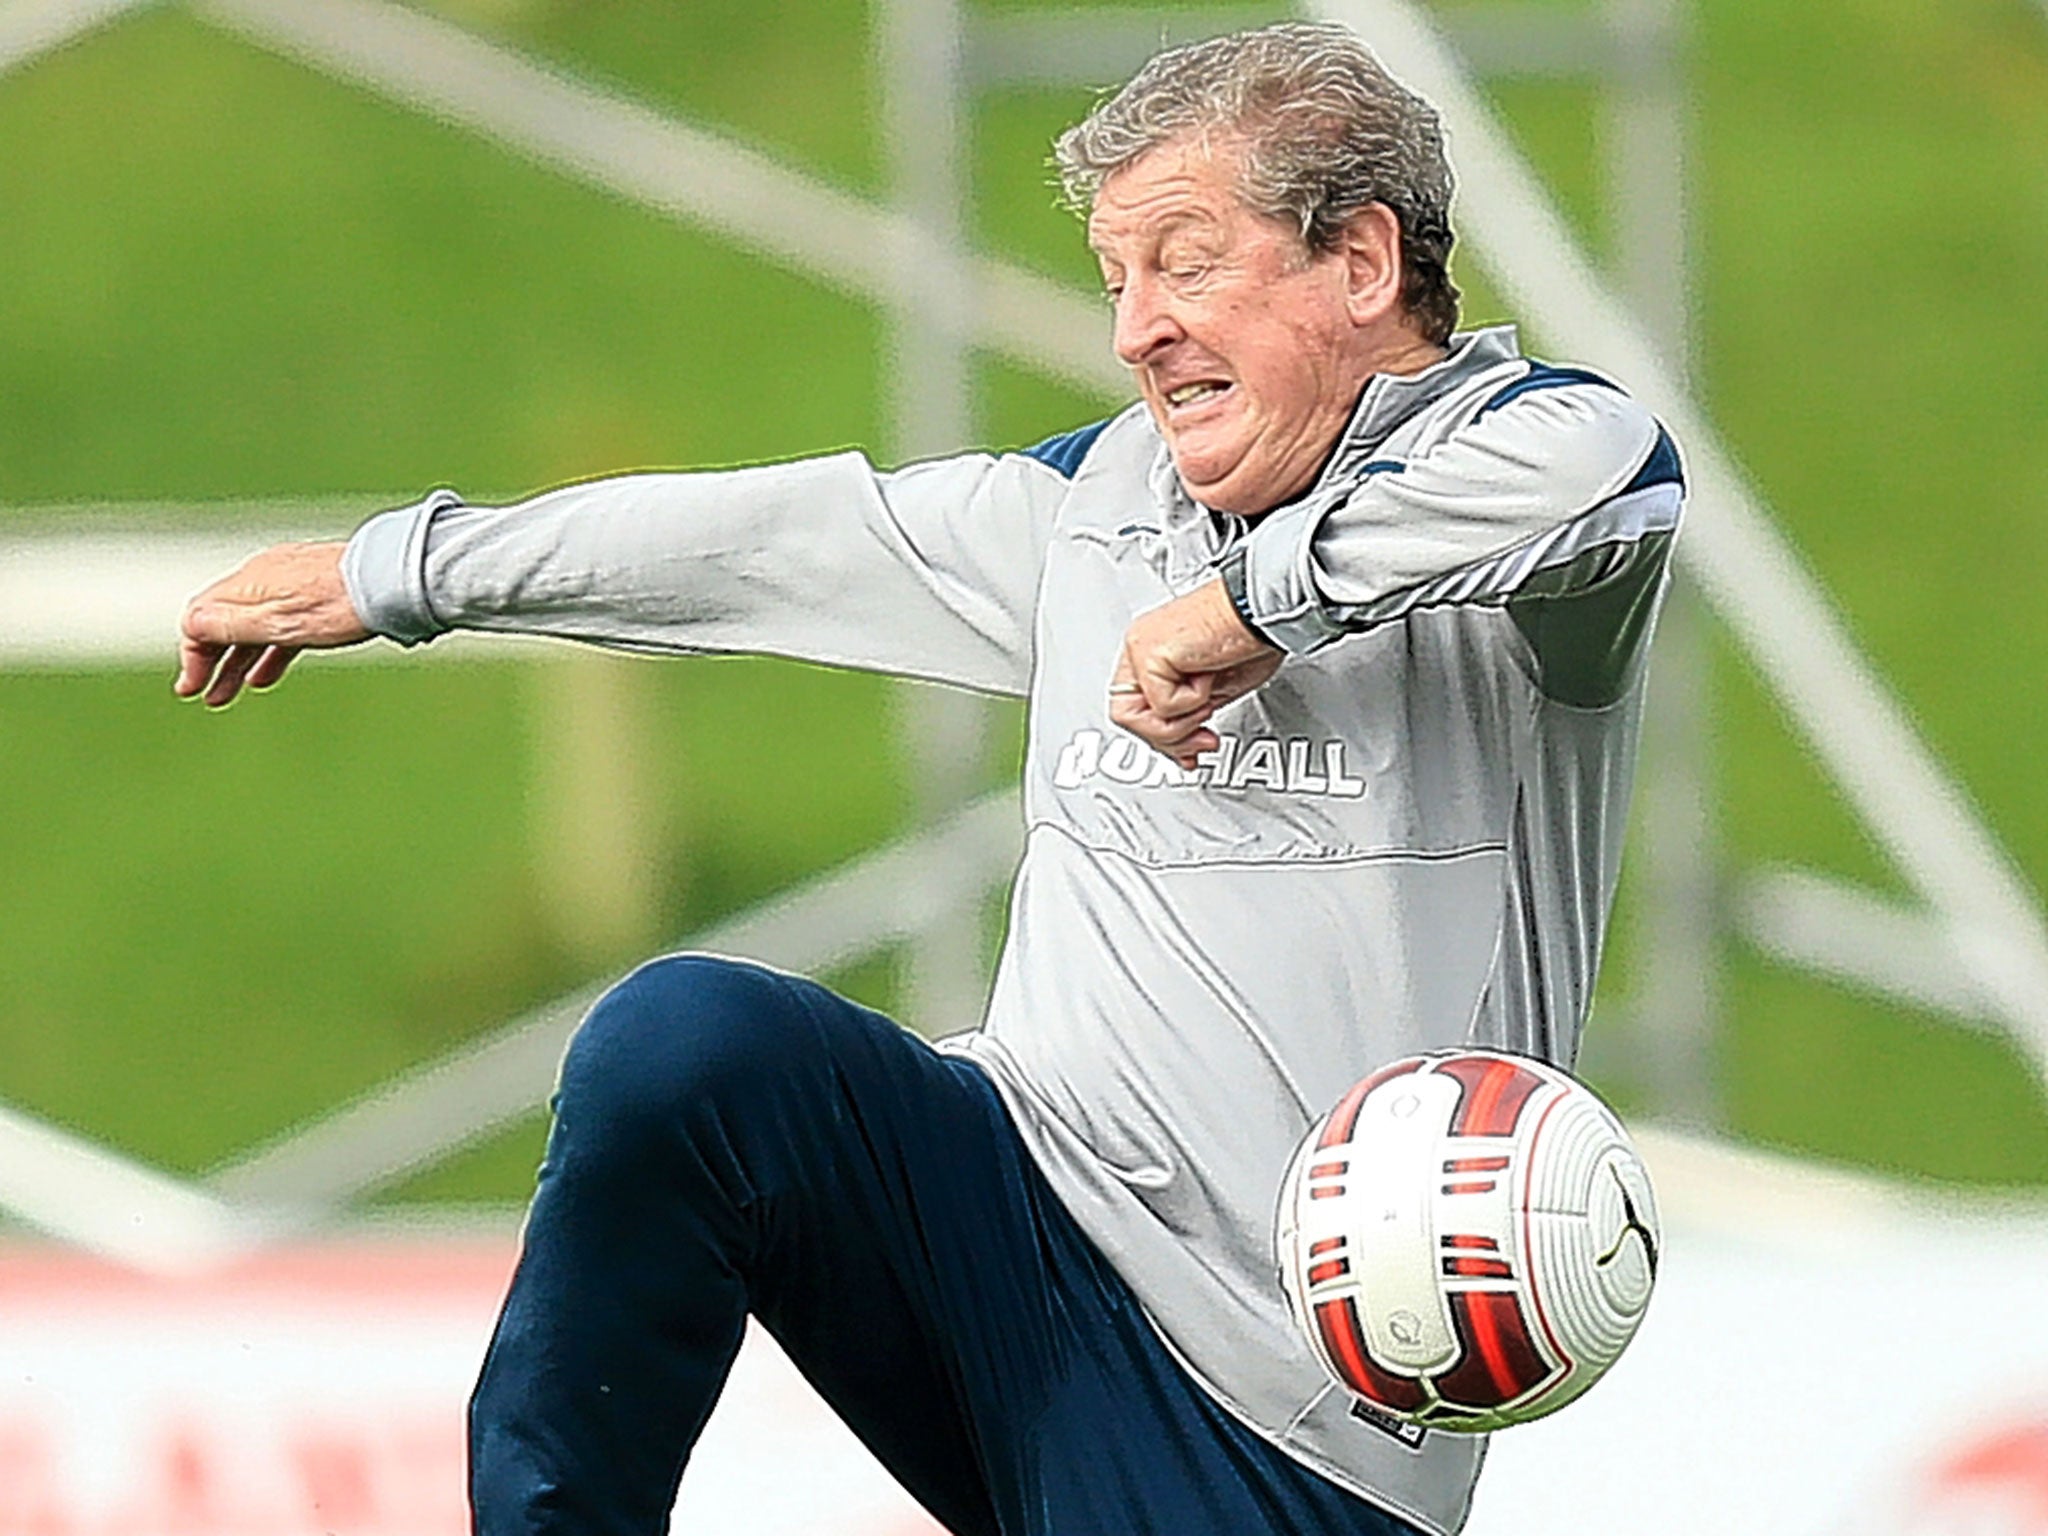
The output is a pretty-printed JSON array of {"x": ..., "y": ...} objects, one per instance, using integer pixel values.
[{"x": 1407, "y": 839}]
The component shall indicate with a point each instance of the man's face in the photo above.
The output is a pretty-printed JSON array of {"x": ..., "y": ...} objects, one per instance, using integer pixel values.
[{"x": 1241, "y": 340}]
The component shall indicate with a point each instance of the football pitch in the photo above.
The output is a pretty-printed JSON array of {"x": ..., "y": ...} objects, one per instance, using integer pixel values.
[{"x": 227, "y": 277}]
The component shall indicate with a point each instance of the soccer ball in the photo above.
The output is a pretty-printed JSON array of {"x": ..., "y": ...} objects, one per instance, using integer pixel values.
[{"x": 1468, "y": 1240}]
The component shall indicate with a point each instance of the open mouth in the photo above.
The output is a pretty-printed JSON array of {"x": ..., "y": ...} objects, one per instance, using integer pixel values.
[{"x": 1197, "y": 392}]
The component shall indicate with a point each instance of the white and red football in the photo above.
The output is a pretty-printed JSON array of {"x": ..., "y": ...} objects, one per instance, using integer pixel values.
[{"x": 1468, "y": 1239}]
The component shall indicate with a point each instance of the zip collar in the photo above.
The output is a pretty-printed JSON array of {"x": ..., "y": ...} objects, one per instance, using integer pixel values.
[{"x": 1388, "y": 400}]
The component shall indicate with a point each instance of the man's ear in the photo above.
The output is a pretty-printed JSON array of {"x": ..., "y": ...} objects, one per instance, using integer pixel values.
[{"x": 1372, "y": 261}]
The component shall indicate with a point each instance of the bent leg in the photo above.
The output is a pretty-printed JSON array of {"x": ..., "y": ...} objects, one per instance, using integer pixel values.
[{"x": 726, "y": 1139}]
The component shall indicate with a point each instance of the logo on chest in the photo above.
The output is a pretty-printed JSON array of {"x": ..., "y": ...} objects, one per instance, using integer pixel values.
[{"x": 1292, "y": 765}]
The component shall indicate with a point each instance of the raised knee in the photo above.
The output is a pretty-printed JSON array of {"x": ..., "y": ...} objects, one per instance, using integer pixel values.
[{"x": 680, "y": 1031}]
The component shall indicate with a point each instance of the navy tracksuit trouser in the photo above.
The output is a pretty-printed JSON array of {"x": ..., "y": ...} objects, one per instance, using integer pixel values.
[{"x": 729, "y": 1140}]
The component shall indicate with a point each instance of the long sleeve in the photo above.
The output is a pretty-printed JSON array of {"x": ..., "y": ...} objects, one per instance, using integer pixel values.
[
  {"x": 930, "y": 571},
  {"x": 1558, "y": 504}
]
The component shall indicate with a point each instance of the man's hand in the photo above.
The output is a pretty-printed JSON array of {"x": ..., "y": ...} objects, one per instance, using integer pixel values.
[
  {"x": 1181, "y": 663},
  {"x": 244, "y": 630}
]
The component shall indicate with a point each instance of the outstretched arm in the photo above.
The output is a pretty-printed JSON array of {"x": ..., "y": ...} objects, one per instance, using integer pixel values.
[
  {"x": 930, "y": 570},
  {"x": 244, "y": 630}
]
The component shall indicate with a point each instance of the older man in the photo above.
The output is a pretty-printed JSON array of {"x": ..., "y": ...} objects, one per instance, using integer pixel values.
[{"x": 1334, "y": 647}]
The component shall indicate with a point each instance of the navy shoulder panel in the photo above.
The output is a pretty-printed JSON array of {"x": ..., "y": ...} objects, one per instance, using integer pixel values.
[
  {"x": 1065, "y": 452},
  {"x": 1543, "y": 376},
  {"x": 1662, "y": 467}
]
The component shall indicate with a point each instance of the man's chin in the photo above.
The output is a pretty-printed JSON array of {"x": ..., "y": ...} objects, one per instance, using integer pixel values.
[
  {"x": 1224, "y": 490},
  {"x": 1210, "y": 475}
]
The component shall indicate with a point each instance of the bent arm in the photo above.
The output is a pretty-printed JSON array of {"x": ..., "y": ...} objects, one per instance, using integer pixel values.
[
  {"x": 1559, "y": 508},
  {"x": 929, "y": 571}
]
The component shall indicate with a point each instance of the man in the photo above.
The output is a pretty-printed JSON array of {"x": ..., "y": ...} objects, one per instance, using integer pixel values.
[{"x": 1334, "y": 649}]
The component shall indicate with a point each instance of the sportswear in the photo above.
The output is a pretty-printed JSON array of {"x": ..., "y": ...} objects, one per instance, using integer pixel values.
[
  {"x": 1407, "y": 839},
  {"x": 729, "y": 1139}
]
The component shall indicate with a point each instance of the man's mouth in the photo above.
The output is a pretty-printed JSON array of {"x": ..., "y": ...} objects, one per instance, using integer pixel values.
[{"x": 1195, "y": 392}]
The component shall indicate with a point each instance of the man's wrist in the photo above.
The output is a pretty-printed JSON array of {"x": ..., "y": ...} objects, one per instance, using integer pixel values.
[
  {"x": 1232, "y": 573},
  {"x": 383, "y": 568}
]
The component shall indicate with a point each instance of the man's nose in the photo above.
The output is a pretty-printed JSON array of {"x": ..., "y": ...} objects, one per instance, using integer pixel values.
[{"x": 1145, "y": 321}]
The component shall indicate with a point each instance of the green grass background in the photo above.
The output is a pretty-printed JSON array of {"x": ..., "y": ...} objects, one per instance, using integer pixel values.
[{"x": 225, "y": 276}]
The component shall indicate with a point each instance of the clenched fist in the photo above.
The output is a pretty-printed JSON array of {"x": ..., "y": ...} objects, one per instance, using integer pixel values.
[
  {"x": 245, "y": 629},
  {"x": 1181, "y": 662}
]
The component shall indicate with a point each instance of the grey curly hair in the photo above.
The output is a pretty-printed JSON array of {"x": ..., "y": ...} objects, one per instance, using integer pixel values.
[{"x": 1322, "y": 130}]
